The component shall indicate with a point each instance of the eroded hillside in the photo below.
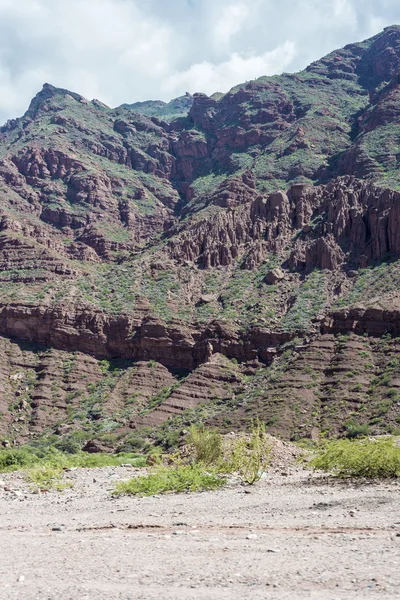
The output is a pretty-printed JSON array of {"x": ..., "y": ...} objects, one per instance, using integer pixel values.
[{"x": 214, "y": 258}]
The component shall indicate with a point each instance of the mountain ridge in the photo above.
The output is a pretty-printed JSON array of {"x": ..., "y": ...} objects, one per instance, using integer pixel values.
[{"x": 223, "y": 244}]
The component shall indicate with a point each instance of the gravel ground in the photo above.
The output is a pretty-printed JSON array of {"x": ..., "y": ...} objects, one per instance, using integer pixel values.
[{"x": 292, "y": 535}]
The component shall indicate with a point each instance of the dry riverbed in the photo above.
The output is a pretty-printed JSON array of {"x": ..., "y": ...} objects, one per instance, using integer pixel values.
[{"x": 292, "y": 535}]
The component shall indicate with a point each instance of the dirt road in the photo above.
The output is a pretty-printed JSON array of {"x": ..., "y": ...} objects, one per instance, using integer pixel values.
[{"x": 289, "y": 536}]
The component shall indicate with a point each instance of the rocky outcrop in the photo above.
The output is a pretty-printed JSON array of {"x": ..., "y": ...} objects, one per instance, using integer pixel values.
[
  {"x": 374, "y": 320},
  {"x": 347, "y": 220},
  {"x": 274, "y": 276},
  {"x": 231, "y": 127},
  {"x": 221, "y": 236},
  {"x": 373, "y": 63},
  {"x": 360, "y": 217},
  {"x": 138, "y": 337}
]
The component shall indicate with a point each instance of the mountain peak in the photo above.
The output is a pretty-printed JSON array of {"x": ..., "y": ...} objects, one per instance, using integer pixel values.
[
  {"x": 394, "y": 27},
  {"x": 168, "y": 111},
  {"x": 46, "y": 95},
  {"x": 371, "y": 62}
]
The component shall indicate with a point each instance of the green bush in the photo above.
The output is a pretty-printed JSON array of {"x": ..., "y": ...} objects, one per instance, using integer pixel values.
[
  {"x": 14, "y": 459},
  {"x": 178, "y": 478},
  {"x": 359, "y": 458},
  {"x": 354, "y": 431},
  {"x": 71, "y": 444},
  {"x": 167, "y": 439},
  {"x": 133, "y": 443},
  {"x": 249, "y": 456},
  {"x": 207, "y": 444}
]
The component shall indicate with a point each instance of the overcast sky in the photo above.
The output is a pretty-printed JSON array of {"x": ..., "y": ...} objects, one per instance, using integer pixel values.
[{"x": 130, "y": 50}]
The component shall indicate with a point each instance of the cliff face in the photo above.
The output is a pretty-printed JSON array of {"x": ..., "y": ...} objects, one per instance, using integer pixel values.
[
  {"x": 197, "y": 233},
  {"x": 348, "y": 221}
]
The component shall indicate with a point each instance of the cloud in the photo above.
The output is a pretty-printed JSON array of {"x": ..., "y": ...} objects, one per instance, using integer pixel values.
[
  {"x": 229, "y": 23},
  {"x": 209, "y": 77},
  {"x": 344, "y": 12},
  {"x": 130, "y": 50}
]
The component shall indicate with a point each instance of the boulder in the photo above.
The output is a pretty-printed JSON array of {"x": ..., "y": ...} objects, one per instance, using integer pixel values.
[
  {"x": 274, "y": 276},
  {"x": 206, "y": 299}
]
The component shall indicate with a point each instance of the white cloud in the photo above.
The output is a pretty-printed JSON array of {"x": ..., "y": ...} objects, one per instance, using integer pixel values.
[
  {"x": 210, "y": 78},
  {"x": 129, "y": 50},
  {"x": 344, "y": 11},
  {"x": 96, "y": 47},
  {"x": 229, "y": 23}
]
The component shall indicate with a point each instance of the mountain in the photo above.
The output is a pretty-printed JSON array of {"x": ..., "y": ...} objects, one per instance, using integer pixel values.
[
  {"x": 168, "y": 111},
  {"x": 215, "y": 258}
]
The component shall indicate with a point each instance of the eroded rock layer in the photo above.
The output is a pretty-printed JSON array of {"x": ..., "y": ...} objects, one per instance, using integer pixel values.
[{"x": 160, "y": 261}]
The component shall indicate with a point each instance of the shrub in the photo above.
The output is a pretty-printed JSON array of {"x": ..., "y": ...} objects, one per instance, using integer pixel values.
[
  {"x": 133, "y": 443},
  {"x": 70, "y": 444},
  {"x": 354, "y": 431},
  {"x": 359, "y": 458},
  {"x": 13, "y": 459},
  {"x": 207, "y": 444},
  {"x": 167, "y": 439},
  {"x": 178, "y": 478},
  {"x": 249, "y": 456},
  {"x": 383, "y": 408}
]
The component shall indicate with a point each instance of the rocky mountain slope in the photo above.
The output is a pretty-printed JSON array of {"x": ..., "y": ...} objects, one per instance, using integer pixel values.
[{"x": 214, "y": 258}]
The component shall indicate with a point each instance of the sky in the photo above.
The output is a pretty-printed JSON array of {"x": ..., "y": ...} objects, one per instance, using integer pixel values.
[{"x": 124, "y": 51}]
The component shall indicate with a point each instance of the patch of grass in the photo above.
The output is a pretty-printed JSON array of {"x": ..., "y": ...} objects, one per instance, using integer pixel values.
[
  {"x": 28, "y": 457},
  {"x": 246, "y": 456},
  {"x": 379, "y": 458},
  {"x": 179, "y": 478},
  {"x": 206, "y": 184},
  {"x": 15, "y": 459},
  {"x": 106, "y": 460},
  {"x": 45, "y": 478},
  {"x": 160, "y": 290}
]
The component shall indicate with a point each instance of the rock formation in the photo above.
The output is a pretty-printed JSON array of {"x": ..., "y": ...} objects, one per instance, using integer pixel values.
[{"x": 200, "y": 243}]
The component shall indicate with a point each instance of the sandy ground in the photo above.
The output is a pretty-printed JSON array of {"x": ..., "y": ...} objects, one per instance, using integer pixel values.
[{"x": 290, "y": 536}]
